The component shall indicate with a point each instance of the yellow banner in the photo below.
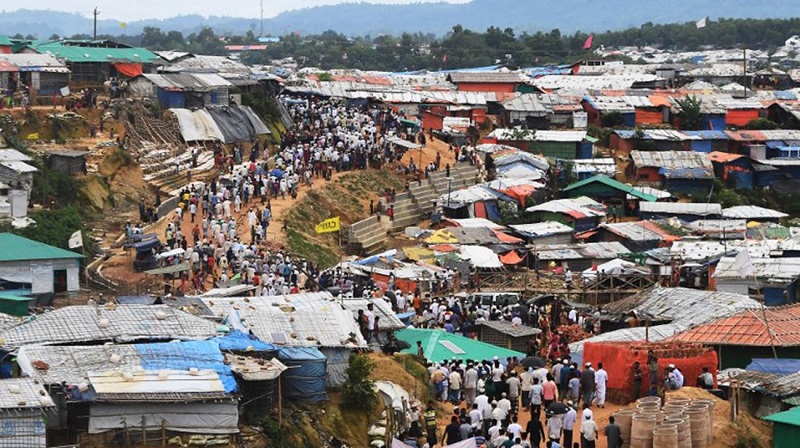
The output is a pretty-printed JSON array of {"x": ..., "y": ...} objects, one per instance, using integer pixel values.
[
  {"x": 329, "y": 225},
  {"x": 34, "y": 136}
]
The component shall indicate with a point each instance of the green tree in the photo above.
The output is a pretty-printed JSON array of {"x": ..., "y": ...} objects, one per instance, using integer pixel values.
[
  {"x": 690, "y": 114},
  {"x": 358, "y": 392},
  {"x": 761, "y": 124}
]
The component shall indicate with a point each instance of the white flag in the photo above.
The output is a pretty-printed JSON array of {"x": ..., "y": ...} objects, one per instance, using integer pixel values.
[
  {"x": 702, "y": 23},
  {"x": 76, "y": 240},
  {"x": 743, "y": 263}
]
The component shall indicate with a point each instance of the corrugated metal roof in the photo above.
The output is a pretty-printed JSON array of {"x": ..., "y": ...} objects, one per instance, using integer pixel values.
[
  {"x": 486, "y": 77},
  {"x": 752, "y": 212},
  {"x": 506, "y": 327},
  {"x": 23, "y": 393},
  {"x": 639, "y": 231},
  {"x": 754, "y": 328},
  {"x": 685, "y": 306},
  {"x": 680, "y": 208},
  {"x": 7, "y": 67},
  {"x": 541, "y": 229},
  {"x": 591, "y": 251},
  {"x": 31, "y": 62},
  {"x": 126, "y": 323},
  {"x": 298, "y": 320},
  {"x": 12, "y": 155},
  {"x": 78, "y": 54},
  {"x": 572, "y": 207},
  {"x": 19, "y": 167},
  {"x": 767, "y": 270},
  {"x": 605, "y": 166},
  {"x": 528, "y": 102},
  {"x": 205, "y": 64},
  {"x": 17, "y": 248}
]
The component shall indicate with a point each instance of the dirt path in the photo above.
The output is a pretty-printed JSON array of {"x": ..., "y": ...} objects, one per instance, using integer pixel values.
[{"x": 119, "y": 267}]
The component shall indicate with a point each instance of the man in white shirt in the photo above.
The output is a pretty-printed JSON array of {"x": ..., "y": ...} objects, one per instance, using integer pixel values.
[
  {"x": 526, "y": 380},
  {"x": 475, "y": 417},
  {"x": 370, "y": 313},
  {"x": 494, "y": 430},
  {"x": 470, "y": 384},
  {"x": 514, "y": 387},
  {"x": 678, "y": 376},
  {"x": 455, "y": 387},
  {"x": 569, "y": 424},
  {"x": 600, "y": 381},
  {"x": 505, "y": 406},
  {"x": 514, "y": 428},
  {"x": 573, "y": 316},
  {"x": 589, "y": 430},
  {"x": 482, "y": 401}
]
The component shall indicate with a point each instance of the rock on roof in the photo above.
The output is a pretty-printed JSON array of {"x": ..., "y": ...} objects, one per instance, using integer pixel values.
[
  {"x": 119, "y": 323},
  {"x": 23, "y": 393}
]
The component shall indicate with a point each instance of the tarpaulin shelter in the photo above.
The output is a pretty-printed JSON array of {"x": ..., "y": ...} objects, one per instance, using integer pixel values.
[
  {"x": 776, "y": 366},
  {"x": 617, "y": 359},
  {"x": 305, "y": 378}
]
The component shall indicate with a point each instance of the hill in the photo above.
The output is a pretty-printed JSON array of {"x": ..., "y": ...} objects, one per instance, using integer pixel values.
[{"x": 358, "y": 19}]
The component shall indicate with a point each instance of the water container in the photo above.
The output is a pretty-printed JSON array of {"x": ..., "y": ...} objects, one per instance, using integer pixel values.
[
  {"x": 698, "y": 418},
  {"x": 665, "y": 437},
  {"x": 642, "y": 431}
]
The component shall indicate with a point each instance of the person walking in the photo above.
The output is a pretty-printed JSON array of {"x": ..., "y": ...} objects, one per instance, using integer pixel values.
[
  {"x": 588, "y": 430},
  {"x": 569, "y": 423},
  {"x": 535, "y": 403},
  {"x": 587, "y": 385},
  {"x": 430, "y": 423},
  {"x": 613, "y": 434},
  {"x": 536, "y": 432},
  {"x": 600, "y": 381},
  {"x": 638, "y": 376}
]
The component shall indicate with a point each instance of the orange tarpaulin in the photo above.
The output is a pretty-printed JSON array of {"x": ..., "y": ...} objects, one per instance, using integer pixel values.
[
  {"x": 129, "y": 69},
  {"x": 644, "y": 116},
  {"x": 740, "y": 117},
  {"x": 506, "y": 238},
  {"x": 520, "y": 192},
  {"x": 510, "y": 258}
]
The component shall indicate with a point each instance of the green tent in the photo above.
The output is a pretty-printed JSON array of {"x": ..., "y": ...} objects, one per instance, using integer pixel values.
[
  {"x": 14, "y": 304},
  {"x": 439, "y": 345}
]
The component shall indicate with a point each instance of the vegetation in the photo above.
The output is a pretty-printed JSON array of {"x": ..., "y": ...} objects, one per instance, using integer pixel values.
[
  {"x": 690, "y": 115},
  {"x": 357, "y": 392},
  {"x": 761, "y": 124},
  {"x": 53, "y": 227},
  {"x": 467, "y": 48}
]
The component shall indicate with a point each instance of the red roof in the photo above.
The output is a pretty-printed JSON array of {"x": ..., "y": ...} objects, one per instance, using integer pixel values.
[
  {"x": 723, "y": 157},
  {"x": 746, "y": 136},
  {"x": 6, "y": 67},
  {"x": 378, "y": 80},
  {"x": 748, "y": 328}
]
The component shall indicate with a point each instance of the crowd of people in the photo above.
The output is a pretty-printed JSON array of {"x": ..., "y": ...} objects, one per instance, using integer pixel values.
[{"x": 490, "y": 397}]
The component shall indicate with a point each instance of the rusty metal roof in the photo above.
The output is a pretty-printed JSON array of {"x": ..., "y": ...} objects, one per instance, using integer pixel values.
[{"x": 748, "y": 328}]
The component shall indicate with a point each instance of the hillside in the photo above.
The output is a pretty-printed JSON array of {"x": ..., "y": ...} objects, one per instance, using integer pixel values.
[{"x": 358, "y": 19}]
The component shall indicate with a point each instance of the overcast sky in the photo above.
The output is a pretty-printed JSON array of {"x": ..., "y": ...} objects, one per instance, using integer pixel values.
[{"x": 131, "y": 10}]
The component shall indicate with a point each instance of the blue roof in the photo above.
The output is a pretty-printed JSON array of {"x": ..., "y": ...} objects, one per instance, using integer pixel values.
[
  {"x": 708, "y": 135},
  {"x": 776, "y": 366},
  {"x": 184, "y": 355},
  {"x": 300, "y": 354},
  {"x": 785, "y": 95},
  {"x": 623, "y": 133},
  {"x": 488, "y": 68},
  {"x": 239, "y": 341}
]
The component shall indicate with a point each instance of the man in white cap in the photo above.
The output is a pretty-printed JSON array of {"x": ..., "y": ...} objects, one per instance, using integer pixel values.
[
  {"x": 589, "y": 430},
  {"x": 504, "y": 404},
  {"x": 470, "y": 384},
  {"x": 514, "y": 386},
  {"x": 482, "y": 400},
  {"x": 569, "y": 423},
  {"x": 526, "y": 381}
]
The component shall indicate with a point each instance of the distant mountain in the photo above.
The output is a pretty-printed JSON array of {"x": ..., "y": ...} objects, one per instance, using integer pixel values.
[{"x": 358, "y": 19}]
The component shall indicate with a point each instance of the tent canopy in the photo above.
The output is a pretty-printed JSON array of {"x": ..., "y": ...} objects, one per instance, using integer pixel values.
[{"x": 438, "y": 345}]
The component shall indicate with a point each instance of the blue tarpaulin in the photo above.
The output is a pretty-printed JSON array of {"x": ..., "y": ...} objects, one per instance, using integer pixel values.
[
  {"x": 239, "y": 341},
  {"x": 776, "y": 366},
  {"x": 184, "y": 355},
  {"x": 305, "y": 378}
]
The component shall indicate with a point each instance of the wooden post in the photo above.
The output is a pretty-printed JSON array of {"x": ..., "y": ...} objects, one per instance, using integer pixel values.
[
  {"x": 163, "y": 432},
  {"x": 144, "y": 431},
  {"x": 280, "y": 403}
]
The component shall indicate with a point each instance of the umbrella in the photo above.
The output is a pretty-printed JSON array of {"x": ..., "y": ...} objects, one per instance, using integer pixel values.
[
  {"x": 277, "y": 173},
  {"x": 532, "y": 362},
  {"x": 557, "y": 408}
]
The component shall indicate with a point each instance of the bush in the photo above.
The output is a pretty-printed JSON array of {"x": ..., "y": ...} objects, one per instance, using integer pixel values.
[
  {"x": 357, "y": 392},
  {"x": 54, "y": 227},
  {"x": 761, "y": 124}
]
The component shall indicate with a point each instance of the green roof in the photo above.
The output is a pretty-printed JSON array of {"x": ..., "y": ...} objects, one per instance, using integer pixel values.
[
  {"x": 75, "y": 53},
  {"x": 17, "y": 248},
  {"x": 790, "y": 417},
  {"x": 4, "y": 40},
  {"x": 605, "y": 180},
  {"x": 437, "y": 346}
]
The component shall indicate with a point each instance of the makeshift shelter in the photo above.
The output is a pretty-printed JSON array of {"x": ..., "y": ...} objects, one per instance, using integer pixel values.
[
  {"x": 480, "y": 257},
  {"x": 24, "y": 409},
  {"x": 750, "y": 334},
  {"x": 576, "y": 256},
  {"x": 785, "y": 428},
  {"x": 580, "y": 213},
  {"x": 682, "y": 210},
  {"x": 439, "y": 345},
  {"x": 778, "y": 279},
  {"x": 182, "y": 90},
  {"x": 547, "y": 233},
  {"x": 617, "y": 359},
  {"x": 43, "y": 73},
  {"x": 259, "y": 384},
  {"x": 67, "y": 161},
  {"x": 638, "y": 236},
  {"x": 506, "y": 335},
  {"x": 97, "y": 60},
  {"x": 676, "y": 171},
  {"x": 299, "y": 320},
  {"x": 753, "y": 213},
  {"x": 607, "y": 189},
  {"x": 477, "y": 201},
  {"x": 37, "y": 267},
  {"x": 305, "y": 379},
  {"x": 108, "y": 323}
]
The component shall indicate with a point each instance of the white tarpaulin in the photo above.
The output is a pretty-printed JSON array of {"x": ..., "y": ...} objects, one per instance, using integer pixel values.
[
  {"x": 470, "y": 443},
  {"x": 197, "y": 126},
  {"x": 614, "y": 267},
  {"x": 16, "y": 273},
  {"x": 481, "y": 257},
  {"x": 199, "y": 418}
]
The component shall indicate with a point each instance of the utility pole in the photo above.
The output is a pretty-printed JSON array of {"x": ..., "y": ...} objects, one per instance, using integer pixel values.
[
  {"x": 96, "y": 13},
  {"x": 744, "y": 70},
  {"x": 262, "y": 19}
]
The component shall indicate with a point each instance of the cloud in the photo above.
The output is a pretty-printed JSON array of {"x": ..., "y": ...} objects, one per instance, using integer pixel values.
[{"x": 161, "y": 9}]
